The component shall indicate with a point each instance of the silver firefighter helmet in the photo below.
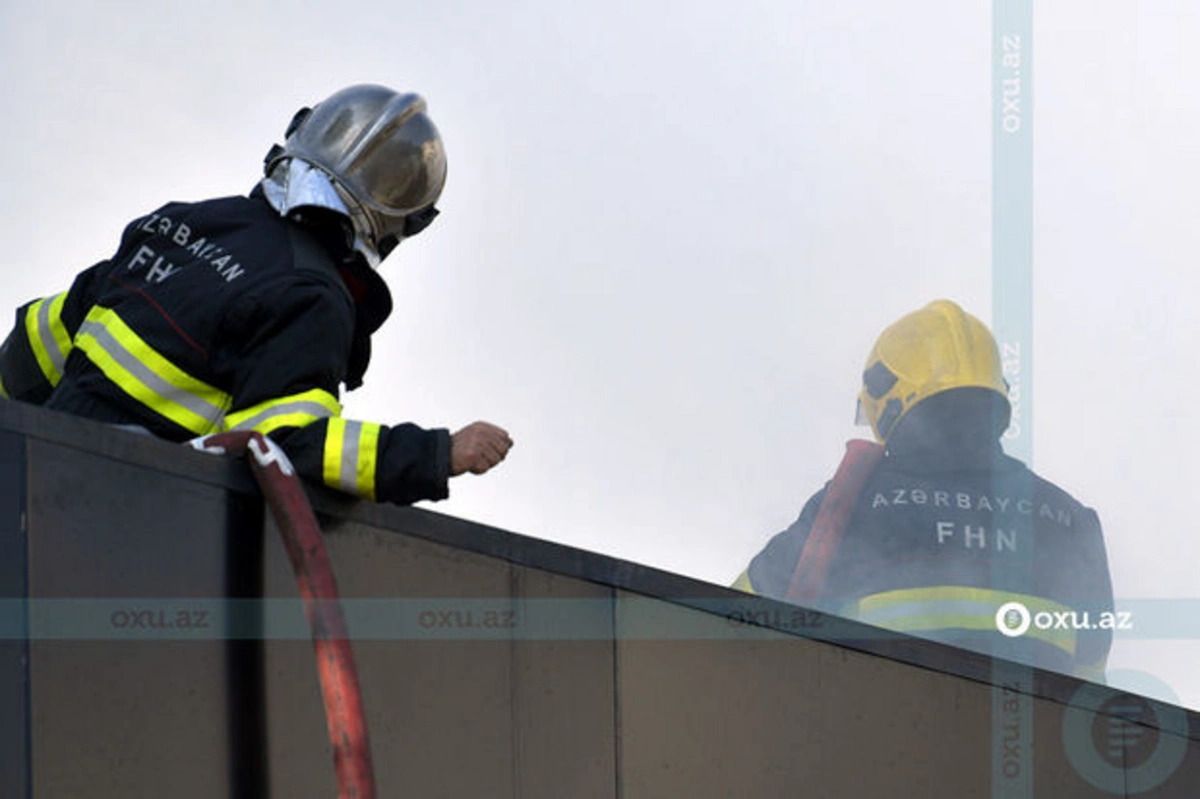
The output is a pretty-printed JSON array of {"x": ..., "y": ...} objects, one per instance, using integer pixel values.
[{"x": 383, "y": 154}]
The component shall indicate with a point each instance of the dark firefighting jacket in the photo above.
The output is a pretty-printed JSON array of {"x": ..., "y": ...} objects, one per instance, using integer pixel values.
[
  {"x": 223, "y": 315},
  {"x": 942, "y": 537}
]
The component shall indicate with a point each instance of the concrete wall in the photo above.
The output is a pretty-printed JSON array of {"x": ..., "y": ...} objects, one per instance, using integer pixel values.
[{"x": 492, "y": 664}]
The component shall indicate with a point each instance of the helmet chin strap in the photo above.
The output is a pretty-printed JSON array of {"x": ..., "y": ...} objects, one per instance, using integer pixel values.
[{"x": 364, "y": 233}]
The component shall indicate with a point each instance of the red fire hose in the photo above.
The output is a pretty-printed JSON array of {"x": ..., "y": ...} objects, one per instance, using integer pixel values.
[
  {"x": 335, "y": 657},
  {"x": 841, "y": 495}
]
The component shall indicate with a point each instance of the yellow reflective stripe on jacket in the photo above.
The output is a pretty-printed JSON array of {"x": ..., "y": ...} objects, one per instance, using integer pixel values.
[
  {"x": 1095, "y": 669},
  {"x": 742, "y": 583},
  {"x": 48, "y": 336},
  {"x": 142, "y": 373},
  {"x": 350, "y": 456},
  {"x": 297, "y": 410},
  {"x": 3, "y": 390},
  {"x": 1092, "y": 672},
  {"x": 947, "y": 607}
]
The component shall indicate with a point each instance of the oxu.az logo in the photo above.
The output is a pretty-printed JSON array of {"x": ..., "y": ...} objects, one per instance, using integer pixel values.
[{"x": 1014, "y": 619}]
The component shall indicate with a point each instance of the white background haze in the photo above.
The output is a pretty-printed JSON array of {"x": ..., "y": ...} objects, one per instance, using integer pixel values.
[{"x": 672, "y": 230}]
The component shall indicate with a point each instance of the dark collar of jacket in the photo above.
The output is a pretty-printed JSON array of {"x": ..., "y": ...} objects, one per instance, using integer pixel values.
[
  {"x": 955, "y": 430},
  {"x": 370, "y": 293}
]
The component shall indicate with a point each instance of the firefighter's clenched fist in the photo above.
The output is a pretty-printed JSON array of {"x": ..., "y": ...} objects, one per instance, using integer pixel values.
[{"x": 477, "y": 448}]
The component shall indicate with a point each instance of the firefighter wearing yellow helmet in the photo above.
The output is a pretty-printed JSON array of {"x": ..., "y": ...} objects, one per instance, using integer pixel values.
[
  {"x": 253, "y": 312},
  {"x": 938, "y": 348},
  {"x": 943, "y": 533}
]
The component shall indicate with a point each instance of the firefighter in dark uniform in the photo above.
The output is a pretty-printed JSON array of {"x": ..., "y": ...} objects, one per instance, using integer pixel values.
[
  {"x": 251, "y": 312},
  {"x": 948, "y": 530}
]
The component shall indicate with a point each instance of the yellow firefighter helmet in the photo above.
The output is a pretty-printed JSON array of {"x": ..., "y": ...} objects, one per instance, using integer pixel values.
[{"x": 937, "y": 348}]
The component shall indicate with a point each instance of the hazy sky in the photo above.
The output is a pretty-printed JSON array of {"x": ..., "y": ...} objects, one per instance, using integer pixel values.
[{"x": 672, "y": 231}]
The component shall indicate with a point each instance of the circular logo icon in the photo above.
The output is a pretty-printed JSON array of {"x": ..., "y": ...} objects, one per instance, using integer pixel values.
[
  {"x": 1013, "y": 619},
  {"x": 1123, "y": 743}
]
